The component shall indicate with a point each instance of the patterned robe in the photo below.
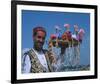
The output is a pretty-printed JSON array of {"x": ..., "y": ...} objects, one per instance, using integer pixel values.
[{"x": 36, "y": 66}]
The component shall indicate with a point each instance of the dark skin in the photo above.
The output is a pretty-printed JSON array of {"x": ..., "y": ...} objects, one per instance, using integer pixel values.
[{"x": 39, "y": 40}]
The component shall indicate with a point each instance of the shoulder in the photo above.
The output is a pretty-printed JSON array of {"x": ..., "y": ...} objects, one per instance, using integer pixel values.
[
  {"x": 25, "y": 51},
  {"x": 45, "y": 50},
  {"x": 25, "y": 56}
]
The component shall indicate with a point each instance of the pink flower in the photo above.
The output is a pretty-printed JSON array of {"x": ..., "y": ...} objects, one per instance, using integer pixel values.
[
  {"x": 81, "y": 33},
  {"x": 66, "y": 25}
]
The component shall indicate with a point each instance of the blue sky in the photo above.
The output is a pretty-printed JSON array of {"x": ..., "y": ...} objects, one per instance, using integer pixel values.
[{"x": 49, "y": 19}]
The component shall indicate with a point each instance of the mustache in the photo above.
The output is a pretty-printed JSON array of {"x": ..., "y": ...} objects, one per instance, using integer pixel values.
[{"x": 40, "y": 42}]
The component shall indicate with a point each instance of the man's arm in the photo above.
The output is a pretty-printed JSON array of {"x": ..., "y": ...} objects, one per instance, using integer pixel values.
[{"x": 26, "y": 64}]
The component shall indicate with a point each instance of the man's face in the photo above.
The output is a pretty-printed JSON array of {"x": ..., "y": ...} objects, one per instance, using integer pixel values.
[{"x": 39, "y": 39}]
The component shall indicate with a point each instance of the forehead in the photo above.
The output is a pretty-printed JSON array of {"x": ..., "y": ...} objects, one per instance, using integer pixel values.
[{"x": 40, "y": 33}]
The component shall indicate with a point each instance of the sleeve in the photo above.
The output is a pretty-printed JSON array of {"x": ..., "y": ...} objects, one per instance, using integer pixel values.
[{"x": 26, "y": 64}]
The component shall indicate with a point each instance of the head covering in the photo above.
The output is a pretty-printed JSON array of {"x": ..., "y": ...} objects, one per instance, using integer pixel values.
[{"x": 38, "y": 28}]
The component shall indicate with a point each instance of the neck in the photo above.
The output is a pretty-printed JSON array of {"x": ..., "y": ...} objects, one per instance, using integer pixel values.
[{"x": 37, "y": 49}]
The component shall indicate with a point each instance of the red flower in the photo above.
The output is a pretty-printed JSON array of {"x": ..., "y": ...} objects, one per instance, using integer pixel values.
[
  {"x": 69, "y": 35},
  {"x": 53, "y": 36},
  {"x": 64, "y": 36}
]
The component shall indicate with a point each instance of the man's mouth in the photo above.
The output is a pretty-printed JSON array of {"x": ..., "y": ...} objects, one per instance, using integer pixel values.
[{"x": 40, "y": 44}]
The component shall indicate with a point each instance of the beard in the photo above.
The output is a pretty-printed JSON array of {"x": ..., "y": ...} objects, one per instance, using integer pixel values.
[{"x": 38, "y": 46}]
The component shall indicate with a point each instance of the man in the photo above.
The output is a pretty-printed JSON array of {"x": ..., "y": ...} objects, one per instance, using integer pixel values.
[{"x": 37, "y": 60}]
